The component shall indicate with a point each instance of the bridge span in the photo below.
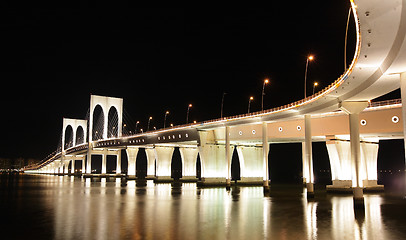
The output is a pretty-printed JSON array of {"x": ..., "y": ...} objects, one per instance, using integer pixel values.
[{"x": 338, "y": 115}]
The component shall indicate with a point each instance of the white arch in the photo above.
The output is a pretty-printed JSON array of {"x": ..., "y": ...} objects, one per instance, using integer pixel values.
[
  {"x": 74, "y": 123},
  {"x": 106, "y": 103}
]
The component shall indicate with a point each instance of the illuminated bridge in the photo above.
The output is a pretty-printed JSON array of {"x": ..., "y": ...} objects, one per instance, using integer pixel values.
[{"x": 340, "y": 115}]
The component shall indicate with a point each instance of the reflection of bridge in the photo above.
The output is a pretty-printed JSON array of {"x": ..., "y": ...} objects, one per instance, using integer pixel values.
[{"x": 378, "y": 67}]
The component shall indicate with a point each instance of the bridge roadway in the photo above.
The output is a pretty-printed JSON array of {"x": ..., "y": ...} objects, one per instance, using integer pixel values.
[{"x": 378, "y": 67}]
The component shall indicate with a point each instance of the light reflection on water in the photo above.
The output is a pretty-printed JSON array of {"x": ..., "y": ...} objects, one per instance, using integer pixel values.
[{"x": 112, "y": 209}]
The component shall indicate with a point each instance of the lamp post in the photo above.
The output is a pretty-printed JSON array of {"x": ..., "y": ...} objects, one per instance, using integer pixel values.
[
  {"x": 309, "y": 58},
  {"x": 222, "y": 104},
  {"x": 166, "y": 114},
  {"x": 187, "y": 114},
  {"x": 136, "y": 126},
  {"x": 249, "y": 103},
  {"x": 315, "y": 84},
  {"x": 263, "y": 93},
  {"x": 149, "y": 121}
]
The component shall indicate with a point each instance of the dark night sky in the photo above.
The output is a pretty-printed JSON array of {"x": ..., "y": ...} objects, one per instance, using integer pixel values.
[{"x": 158, "y": 60}]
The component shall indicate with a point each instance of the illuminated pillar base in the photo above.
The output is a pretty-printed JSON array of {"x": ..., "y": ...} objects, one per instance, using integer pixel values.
[
  {"x": 132, "y": 157},
  {"x": 212, "y": 182},
  {"x": 251, "y": 163},
  {"x": 163, "y": 163},
  {"x": 189, "y": 157},
  {"x": 251, "y": 181},
  {"x": 310, "y": 190},
  {"x": 150, "y": 152}
]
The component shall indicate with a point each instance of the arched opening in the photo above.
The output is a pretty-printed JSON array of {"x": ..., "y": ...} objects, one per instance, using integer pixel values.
[
  {"x": 80, "y": 136},
  {"x": 98, "y": 123},
  {"x": 141, "y": 164},
  {"x": 176, "y": 164},
  {"x": 68, "y": 141},
  {"x": 235, "y": 166},
  {"x": 112, "y": 125}
]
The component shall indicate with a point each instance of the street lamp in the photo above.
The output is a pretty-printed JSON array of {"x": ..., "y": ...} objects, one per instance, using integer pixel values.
[
  {"x": 222, "y": 104},
  {"x": 166, "y": 114},
  {"x": 315, "y": 84},
  {"x": 149, "y": 121},
  {"x": 187, "y": 114},
  {"x": 136, "y": 126},
  {"x": 309, "y": 58},
  {"x": 263, "y": 93},
  {"x": 249, "y": 103}
]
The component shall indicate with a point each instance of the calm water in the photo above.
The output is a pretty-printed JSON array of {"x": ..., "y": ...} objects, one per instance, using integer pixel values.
[{"x": 52, "y": 207}]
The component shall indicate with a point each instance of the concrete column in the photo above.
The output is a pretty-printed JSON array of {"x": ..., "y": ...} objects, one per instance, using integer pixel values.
[
  {"x": 83, "y": 165},
  {"x": 251, "y": 164},
  {"x": 132, "y": 153},
  {"x": 104, "y": 162},
  {"x": 403, "y": 95},
  {"x": 72, "y": 169},
  {"x": 369, "y": 156},
  {"x": 309, "y": 157},
  {"x": 353, "y": 109},
  {"x": 214, "y": 166},
  {"x": 163, "y": 163},
  {"x": 89, "y": 159},
  {"x": 339, "y": 152},
  {"x": 118, "y": 168},
  {"x": 189, "y": 156},
  {"x": 150, "y": 152},
  {"x": 265, "y": 153},
  {"x": 228, "y": 156},
  {"x": 65, "y": 167}
]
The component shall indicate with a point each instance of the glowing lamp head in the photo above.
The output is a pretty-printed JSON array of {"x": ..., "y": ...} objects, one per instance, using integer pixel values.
[
  {"x": 251, "y": 98},
  {"x": 311, "y": 57},
  {"x": 167, "y": 112},
  {"x": 190, "y": 105},
  {"x": 316, "y": 84},
  {"x": 266, "y": 81}
]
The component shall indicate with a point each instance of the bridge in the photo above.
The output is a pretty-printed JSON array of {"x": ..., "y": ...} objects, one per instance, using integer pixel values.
[{"x": 342, "y": 115}]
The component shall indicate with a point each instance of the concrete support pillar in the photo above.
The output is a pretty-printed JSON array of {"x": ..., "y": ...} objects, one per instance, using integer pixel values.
[
  {"x": 118, "y": 168},
  {"x": 339, "y": 152},
  {"x": 251, "y": 164},
  {"x": 104, "y": 162},
  {"x": 72, "y": 169},
  {"x": 214, "y": 166},
  {"x": 89, "y": 160},
  {"x": 150, "y": 152},
  {"x": 308, "y": 157},
  {"x": 228, "y": 157},
  {"x": 163, "y": 163},
  {"x": 65, "y": 167},
  {"x": 84, "y": 165},
  {"x": 265, "y": 153},
  {"x": 403, "y": 95},
  {"x": 132, "y": 153},
  {"x": 189, "y": 156},
  {"x": 353, "y": 109}
]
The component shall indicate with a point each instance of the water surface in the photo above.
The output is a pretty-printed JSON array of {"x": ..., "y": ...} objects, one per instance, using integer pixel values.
[{"x": 56, "y": 207}]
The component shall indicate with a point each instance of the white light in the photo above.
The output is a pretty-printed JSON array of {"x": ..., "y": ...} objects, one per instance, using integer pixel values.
[
  {"x": 280, "y": 129},
  {"x": 254, "y": 132},
  {"x": 299, "y": 128},
  {"x": 395, "y": 119},
  {"x": 240, "y": 132},
  {"x": 363, "y": 122}
]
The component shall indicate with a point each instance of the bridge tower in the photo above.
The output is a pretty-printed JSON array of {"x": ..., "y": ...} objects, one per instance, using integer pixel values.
[
  {"x": 108, "y": 125},
  {"x": 73, "y": 133}
]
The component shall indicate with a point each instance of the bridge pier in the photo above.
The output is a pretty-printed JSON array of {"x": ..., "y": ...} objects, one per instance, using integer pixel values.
[
  {"x": 163, "y": 163},
  {"x": 403, "y": 96},
  {"x": 308, "y": 157},
  {"x": 265, "y": 160},
  {"x": 150, "y": 152},
  {"x": 214, "y": 166},
  {"x": 189, "y": 157},
  {"x": 353, "y": 109},
  {"x": 132, "y": 153},
  {"x": 251, "y": 164}
]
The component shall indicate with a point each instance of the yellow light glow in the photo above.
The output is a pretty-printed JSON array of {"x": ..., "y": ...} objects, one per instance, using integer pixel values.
[
  {"x": 251, "y": 98},
  {"x": 311, "y": 57},
  {"x": 316, "y": 84},
  {"x": 266, "y": 81},
  {"x": 190, "y": 105}
]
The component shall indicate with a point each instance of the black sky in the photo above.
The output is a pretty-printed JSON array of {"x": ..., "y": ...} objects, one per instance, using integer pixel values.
[{"x": 158, "y": 60}]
